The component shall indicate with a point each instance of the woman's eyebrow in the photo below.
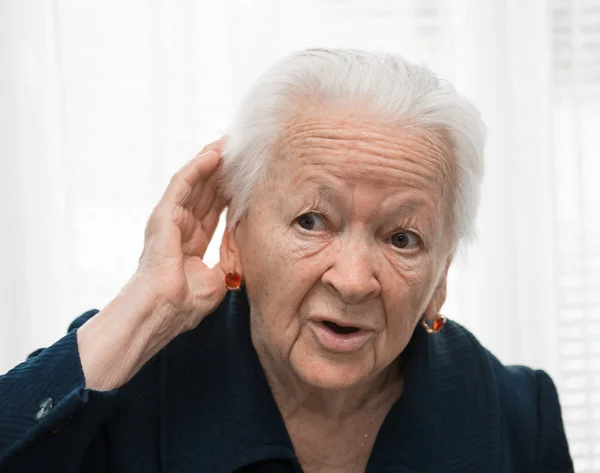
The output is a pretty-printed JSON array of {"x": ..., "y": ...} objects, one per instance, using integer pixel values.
[
  {"x": 408, "y": 208},
  {"x": 404, "y": 210},
  {"x": 327, "y": 193}
]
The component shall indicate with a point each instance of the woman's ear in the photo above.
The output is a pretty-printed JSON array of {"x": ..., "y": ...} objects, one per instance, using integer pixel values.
[
  {"x": 439, "y": 297},
  {"x": 229, "y": 252}
]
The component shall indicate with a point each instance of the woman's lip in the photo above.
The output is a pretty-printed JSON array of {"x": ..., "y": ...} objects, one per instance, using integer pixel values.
[
  {"x": 340, "y": 323},
  {"x": 339, "y": 342}
]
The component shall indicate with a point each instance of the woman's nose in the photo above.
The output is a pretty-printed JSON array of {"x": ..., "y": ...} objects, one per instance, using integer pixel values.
[{"x": 352, "y": 276}]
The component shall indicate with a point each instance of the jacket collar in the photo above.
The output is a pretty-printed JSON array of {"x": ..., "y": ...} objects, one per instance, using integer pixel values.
[
  {"x": 448, "y": 418},
  {"x": 218, "y": 414}
]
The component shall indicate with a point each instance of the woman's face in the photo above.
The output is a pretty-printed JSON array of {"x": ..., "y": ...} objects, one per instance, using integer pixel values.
[{"x": 345, "y": 246}]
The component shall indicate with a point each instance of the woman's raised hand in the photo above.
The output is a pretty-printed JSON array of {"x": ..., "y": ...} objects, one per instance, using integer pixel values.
[
  {"x": 177, "y": 235},
  {"x": 172, "y": 289}
]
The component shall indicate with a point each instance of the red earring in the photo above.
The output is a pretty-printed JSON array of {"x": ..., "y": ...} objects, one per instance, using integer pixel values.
[
  {"x": 233, "y": 281},
  {"x": 437, "y": 324}
]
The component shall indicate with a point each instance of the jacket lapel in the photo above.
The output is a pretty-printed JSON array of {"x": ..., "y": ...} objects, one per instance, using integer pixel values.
[
  {"x": 447, "y": 419},
  {"x": 218, "y": 413}
]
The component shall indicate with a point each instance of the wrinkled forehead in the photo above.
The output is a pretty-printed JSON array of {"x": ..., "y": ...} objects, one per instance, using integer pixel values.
[{"x": 364, "y": 150}]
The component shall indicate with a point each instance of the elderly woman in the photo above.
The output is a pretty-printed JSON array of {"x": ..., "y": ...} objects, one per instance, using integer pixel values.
[{"x": 316, "y": 344}]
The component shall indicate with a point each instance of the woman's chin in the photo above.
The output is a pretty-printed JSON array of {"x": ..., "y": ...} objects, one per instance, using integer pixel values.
[{"x": 326, "y": 373}]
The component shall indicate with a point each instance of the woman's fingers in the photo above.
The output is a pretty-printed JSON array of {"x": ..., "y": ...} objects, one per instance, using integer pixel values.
[
  {"x": 206, "y": 197},
  {"x": 190, "y": 179},
  {"x": 194, "y": 173},
  {"x": 215, "y": 145}
]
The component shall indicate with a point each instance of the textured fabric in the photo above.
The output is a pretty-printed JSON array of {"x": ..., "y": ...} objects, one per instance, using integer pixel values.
[{"x": 203, "y": 405}]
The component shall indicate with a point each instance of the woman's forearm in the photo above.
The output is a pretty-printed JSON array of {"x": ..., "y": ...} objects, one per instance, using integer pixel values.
[{"x": 115, "y": 344}]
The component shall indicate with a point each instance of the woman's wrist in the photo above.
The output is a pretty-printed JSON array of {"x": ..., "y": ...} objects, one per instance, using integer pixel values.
[{"x": 115, "y": 343}]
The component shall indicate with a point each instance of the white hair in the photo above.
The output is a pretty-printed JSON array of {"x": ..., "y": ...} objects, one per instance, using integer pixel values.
[{"x": 394, "y": 90}]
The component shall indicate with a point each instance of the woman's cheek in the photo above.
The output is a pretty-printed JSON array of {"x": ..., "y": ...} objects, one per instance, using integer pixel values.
[
  {"x": 408, "y": 269},
  {"x": 405, "y": 285}
]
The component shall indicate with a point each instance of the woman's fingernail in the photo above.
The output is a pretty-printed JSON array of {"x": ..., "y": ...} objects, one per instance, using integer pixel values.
[{"x": 204, "y": 154}]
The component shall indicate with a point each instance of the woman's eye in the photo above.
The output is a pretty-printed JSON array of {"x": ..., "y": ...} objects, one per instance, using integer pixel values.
[
  {"x": 311, "y": 221},
  {"x": 405, "y": 240}
]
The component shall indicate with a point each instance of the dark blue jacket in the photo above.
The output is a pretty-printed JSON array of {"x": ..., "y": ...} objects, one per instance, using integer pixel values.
[{"x": 203, "y": 405}]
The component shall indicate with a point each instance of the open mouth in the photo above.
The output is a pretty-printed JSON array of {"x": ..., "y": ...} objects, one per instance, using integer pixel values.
[
  {"x": 338, "y": 338},
  {"x": 339, "y": 329}
]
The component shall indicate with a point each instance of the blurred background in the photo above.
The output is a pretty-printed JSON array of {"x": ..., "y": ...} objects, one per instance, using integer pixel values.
[{"x": 101, "y": 102}]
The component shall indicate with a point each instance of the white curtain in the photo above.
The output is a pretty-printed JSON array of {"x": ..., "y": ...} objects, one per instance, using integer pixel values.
[{"x": 100, "y": 102}]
